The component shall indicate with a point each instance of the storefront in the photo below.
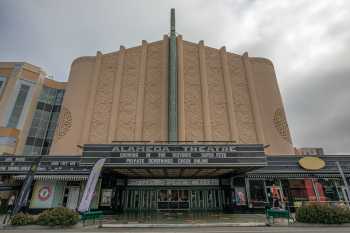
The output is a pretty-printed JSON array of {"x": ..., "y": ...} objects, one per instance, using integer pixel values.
[{"x": 237, "y": 179}]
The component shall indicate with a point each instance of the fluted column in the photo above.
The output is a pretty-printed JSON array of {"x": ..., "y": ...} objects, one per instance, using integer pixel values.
[
  {"x": 141, "y": 94},
  {"x": 232, "y": 119},
  {"x": 205, "y": 93},
  {"x": 116, "y": 95}
]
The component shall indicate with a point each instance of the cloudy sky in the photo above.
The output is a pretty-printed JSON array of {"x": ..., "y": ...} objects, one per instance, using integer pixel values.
[{"x": 308, "y": 41}]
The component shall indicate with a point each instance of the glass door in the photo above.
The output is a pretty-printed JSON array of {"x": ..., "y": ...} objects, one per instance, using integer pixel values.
[
  {"x": 73, "y": 196},
  {"x": 173, "y": 199}
]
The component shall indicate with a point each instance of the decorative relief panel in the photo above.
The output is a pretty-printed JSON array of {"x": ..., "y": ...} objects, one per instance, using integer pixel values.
[
  {"x": 217, "y": 96},
  {"x": 281, "y": 125},
  {"x": 64, "y": 123},
  {"x": 192, "y": 93},
  {"x": 128, "y": 96},
  {"x": 153, "y": 92},
  {"x": 103, "y": 100},
  {"x": 243, "y": 107}
]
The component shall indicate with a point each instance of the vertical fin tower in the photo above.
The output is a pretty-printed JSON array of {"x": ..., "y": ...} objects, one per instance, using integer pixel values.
[{"x": 172, "y": 105}]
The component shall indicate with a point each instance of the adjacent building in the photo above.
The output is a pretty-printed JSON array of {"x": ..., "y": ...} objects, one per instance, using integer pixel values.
[{"x": 30, "y": 103}]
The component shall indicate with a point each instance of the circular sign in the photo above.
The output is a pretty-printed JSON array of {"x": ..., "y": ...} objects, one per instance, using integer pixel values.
[
  {"x": 312, "y": 163},
  {"x": 44, "y": 193}
]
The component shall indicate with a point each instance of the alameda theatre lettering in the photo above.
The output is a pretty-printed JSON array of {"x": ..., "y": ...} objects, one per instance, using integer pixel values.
[{"x": 166, "y": 148}]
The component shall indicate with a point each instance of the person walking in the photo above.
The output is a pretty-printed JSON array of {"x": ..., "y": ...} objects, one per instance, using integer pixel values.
[{"x": 10, "y": 204}]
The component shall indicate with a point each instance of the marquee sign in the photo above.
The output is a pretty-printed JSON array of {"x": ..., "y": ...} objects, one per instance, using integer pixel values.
[
  {"x": 141, "y": 155},
  {"x": 138, "y": 155},
  {"x": 48, "y": 164}
]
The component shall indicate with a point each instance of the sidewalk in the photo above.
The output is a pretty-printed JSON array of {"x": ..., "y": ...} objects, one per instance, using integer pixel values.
[
  {"x": 182, "y": 218},
  {"x": 165, "y": 220}
]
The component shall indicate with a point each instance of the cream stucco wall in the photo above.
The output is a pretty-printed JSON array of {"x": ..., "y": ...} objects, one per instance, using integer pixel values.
[
  {"x": 122, "y": 96},
  {"x": 273, "y": 117}
]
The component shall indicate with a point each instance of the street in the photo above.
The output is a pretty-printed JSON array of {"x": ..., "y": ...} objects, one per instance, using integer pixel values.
[{"x": 192, "y": 230}]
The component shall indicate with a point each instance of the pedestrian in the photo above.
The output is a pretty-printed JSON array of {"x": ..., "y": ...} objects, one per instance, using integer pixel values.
[
  {"x": 10, "y": 204},
  {"x": 275, "y": 197}
]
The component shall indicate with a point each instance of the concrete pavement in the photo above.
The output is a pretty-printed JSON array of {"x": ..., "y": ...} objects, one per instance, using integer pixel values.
[{"x": 324, "y": 229}]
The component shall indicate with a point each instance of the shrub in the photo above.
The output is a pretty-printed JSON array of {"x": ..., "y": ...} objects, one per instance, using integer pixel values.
[
  {"x": 22, "y": 219},
  {"x": 324, "y": 214},
  {"x": 58, "y": 217}
]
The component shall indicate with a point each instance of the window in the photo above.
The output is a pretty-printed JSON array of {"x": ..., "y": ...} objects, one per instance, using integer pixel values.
[
  {"x": 301, "y": 190},
  {"x": 257, "y": 192},
  {"x": 44, "y": 121},
  {"x": 2, "y": 84},
  {"x": 18, "y": 107},
  {"x": 327, "y": 190}
]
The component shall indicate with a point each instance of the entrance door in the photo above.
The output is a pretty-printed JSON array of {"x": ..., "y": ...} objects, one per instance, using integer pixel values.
[
  {"x": 73, "y": 196},
  {"x": 172, "y": 199}
]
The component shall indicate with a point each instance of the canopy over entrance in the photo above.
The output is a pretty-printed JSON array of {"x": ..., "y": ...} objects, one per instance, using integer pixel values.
[{"x": 176, "y": 160}]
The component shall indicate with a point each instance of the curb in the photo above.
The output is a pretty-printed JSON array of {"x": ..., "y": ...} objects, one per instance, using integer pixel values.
[{"x": 185, "y": 225}]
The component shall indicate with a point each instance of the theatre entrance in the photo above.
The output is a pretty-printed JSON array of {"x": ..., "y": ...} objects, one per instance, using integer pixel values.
[{"x": 160, "y": 198}]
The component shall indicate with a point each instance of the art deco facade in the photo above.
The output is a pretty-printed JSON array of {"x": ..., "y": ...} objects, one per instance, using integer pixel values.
[{"x": 123, "y": 96}]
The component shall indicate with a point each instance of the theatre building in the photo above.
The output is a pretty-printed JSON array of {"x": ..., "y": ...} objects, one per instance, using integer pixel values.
[{"x": 182, "y": 125}]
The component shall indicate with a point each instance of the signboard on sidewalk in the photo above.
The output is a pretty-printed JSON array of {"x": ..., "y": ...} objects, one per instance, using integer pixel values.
[{"x": 90, "y": 186}]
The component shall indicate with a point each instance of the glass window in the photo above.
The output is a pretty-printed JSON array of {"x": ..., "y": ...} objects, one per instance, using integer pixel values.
[
  {"x": 18, "y": 107},
  {"x": 45, "y": 119},
  {"x": 327, "y": 190},
  {"x": 302, "y": 190},
  {"x": 239, "y": 181},
  {"x": 2, "y": 84},
  {"x": 163, "y": 195},
  {"x": 257, "y": 191},
  {"x": 36, "y": 150}
]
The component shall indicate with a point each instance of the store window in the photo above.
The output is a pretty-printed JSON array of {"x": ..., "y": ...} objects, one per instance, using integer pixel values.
[
  {"x": 327, "y": 190},
  {"x": 239, "y": 191},
  {"x": 257, "y": 192},
  {"x": 302, "y": 190},
  {"x": 274, "y": 191}
]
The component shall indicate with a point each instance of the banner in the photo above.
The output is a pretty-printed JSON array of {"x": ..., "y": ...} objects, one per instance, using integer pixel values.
[
  {"x": 24, "y": 193},
  {"x": 90, "y": 186}
]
